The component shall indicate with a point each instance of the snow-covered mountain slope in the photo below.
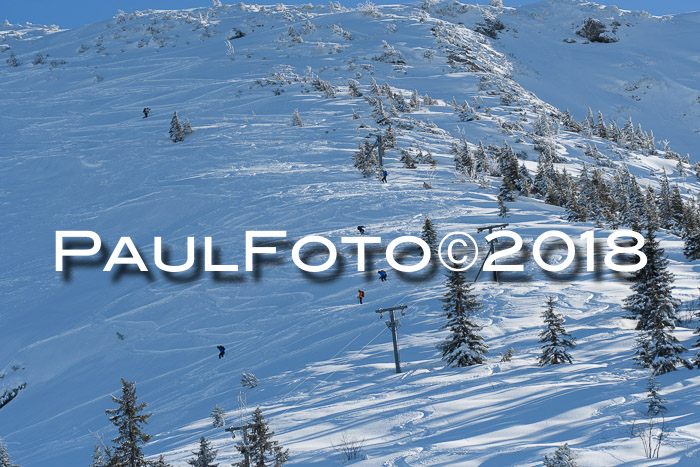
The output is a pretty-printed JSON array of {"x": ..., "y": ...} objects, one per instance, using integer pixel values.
[
  {"x": 76, "y": 155},
  {"x": 650, "y": 72}
]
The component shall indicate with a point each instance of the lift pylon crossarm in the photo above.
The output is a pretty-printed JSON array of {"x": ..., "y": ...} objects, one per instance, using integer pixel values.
[{"x": 491, "y": 228}]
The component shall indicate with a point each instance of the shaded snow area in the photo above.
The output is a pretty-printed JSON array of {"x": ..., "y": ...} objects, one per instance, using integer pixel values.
[{"x": 76, "y": 154}]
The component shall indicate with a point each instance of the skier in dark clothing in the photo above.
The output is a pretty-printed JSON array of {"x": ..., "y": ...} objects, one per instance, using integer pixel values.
[
  {"x": 146, "y": 111},
  {"x": 384, "y": 174},
  {"x": 382, "y": 275},
  {"x": 360, "y": 295},
  {"x": 361, "y": 229},
  {"x": 222, "y": 350}
]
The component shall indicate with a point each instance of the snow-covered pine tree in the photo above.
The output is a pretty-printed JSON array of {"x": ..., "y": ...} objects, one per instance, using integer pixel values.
[
  {"x": 545, "y": 173},
  {"x": 186, "y": 127},
  {"x": 651, "y": 212},
  {"x": 653, "y": 305},
  {"x": 129, "y": 419},
  {"x": 655, "y": 403},
  {"x": 365, "y": 160},
  {"x": 601, "y": 129},
  {"x": 511, "y": 183},
  {"x": 464, "y": 161},
  {"x": 482, "y": 162},
  {"x": 400, "y": 103},
  {"x": 562, "y": 457},
  {"x": 176, "y": 131},
  {"x": 502, "y": 208},
  {"x": 407, "y": 159},
  {"x": 696, "y": 362},
  {"x": 525, "y": 181},
  {"x": 652, "y": 288},
  {"x": 543, "y": 126},
  {"x": 691, "y": 248},
  {"x": 353, "y": 88},
  {"x": 218, "y": 417},
  {"x": 415, "y": 101},
  {"x": 466, "y": 113},
  {"x": 13, "y": 61},
  {"x": 261, "y": 448},
  {"x": 100, "y": 458},
  {"x": 664, "y": 203},
  {"x": 555, "y": 339},
  {"x": 379, "y": 113},
  {"x": 5, "y": 460},
  {"x": 393, "y": 111},
  {"x": 296, "y": 118},
  {"x": 205, "y": 456},
  {"x": 429, "y": 235},
  {"x": 161, "y": 462},
  {"x": 678, "y": 212},
  {"x": 389, "y": 140},
  {"x": 464, "y": 346}
]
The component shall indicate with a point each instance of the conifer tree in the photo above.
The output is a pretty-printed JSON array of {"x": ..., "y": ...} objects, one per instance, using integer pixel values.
[
  {"x": 692, "y": 245},
  {"x": 379, "y": 113},
  {"x": 544, "y": 175},
  {"x": 218, "y": 417},
  {"x": 261, "y": 448},
  {"x": 100, "y": 458},
  {"x": 466, "y": 113},
  {"x": 664, "y": 203},
  {"x": 653, "y": 305},
  {"x": 651, "y": 212},
  {"x": 353, "y": 89},
  {"x": 13, "y": 61},
  {"x": 543, "y": 126},
  {"x": 655, "y": 403},
  {"x": 697, "y": 342},
  {"x": 678, "y": 212},
  {"x": 506, "y": 191},
  {"x": 205, "y": 456},
  {"x": 373, "y": 87},
  {"x": 176, "y": 131},
  {"x": 407, "y": 159},
  {"x": 502, "y": 208},
  {"x": 415, "y": 101},
  {"x": 186, "y": 127},
  {"x": 464, "y": 161},
  {"x": 562, "y": 457},
  {"x": 296, "y": 118},
  {"x": 555, "y": 339},
  {"x": 464, "y": 346},
  {"x": 653, "y": 285},
  {"x": 5, "y": 460},
  {"x": 482, "y": 163},
  {"x": 129, "y": 419},
  {"x": 429, "y": 235},
  {"x": 525, "y": 180},
  {"x": 161, "y": 462},
  {"x": 365, "y": 160}
]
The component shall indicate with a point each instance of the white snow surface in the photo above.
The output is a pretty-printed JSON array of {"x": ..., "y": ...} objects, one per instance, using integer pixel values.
[{"x": 76, "y": 155}]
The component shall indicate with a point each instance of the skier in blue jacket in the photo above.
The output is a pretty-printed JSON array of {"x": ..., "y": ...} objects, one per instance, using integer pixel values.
[
  {"x": 382, "y": 275},
  {"x": 222, "y": 350},
  {"x": 384, "y": 174}
]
